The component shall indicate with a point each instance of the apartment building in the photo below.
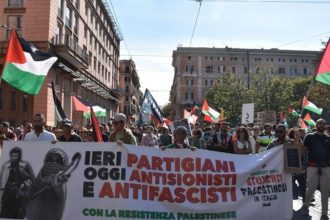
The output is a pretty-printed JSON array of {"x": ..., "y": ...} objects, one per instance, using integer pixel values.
[
  {"x": 130, "y": 84},
  {"x": 84, "y": 37},
  {"x": 197, "y": 69}
]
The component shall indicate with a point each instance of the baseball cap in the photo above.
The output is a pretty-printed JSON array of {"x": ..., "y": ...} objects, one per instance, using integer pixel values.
[
  {"x": 5, "y": 124},
  {"x": 120, "y": 117},
  {"x": 66, "y": 122}
]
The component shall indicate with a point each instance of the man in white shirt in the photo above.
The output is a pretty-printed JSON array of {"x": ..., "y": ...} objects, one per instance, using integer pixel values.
[{"x": 39, "y": 133}]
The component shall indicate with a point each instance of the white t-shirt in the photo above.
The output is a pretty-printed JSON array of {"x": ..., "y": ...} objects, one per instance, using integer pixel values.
[{"x": 43, "y": 136}]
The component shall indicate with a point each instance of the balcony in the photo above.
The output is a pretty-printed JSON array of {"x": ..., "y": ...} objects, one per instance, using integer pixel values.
[{"x": 67, "y": 48}]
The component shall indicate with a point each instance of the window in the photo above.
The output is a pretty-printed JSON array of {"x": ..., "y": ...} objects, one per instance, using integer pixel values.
[
  {"x": 127, "y": 89},
  {"x": 192, "y": 95},
  {"x": 90, "y": 38},
  {"x": 86, "y": 10},
  {"x": 187, "y": 82},
  {"x": 75, "y": 24},
  {"x": 186, "y": 95},
  {"x": 94, "y": 65},
  {"x": 13, "y": 101},
  {"x": 209, "y": 69},
  {"x": 126, "y": 98},
  {"x": 206, "y": 82},
  {"x": 189, "y": 57},
  {"x": 68, "y": 17},
  {"x": 189, "y": 68},
  {"x": 60, "y": 8},
  {"x": 15, "y": 3},
  {"x": 192, "y": 82},
  {"x": 293, "y": 71},
  {"x": 233, "y": 69},
  {"x": 14, "y": 22},
  {"x": 281, "y": 70},
  {"x": 24, "y": 103},
  {"x": 221, "y": 69},
  {"x": 258, "y": 59},
  {"x": 257, "y": 70},
  {"x": 246, "y": 70},
  {"x": 305, "y": 71},
  {"x": 77, "y": 4},
  {"x": 85, "y": 31}
]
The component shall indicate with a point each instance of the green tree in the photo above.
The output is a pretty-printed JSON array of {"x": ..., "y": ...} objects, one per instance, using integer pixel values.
[
  {"x": 167, "y": 110},
  {"x": 229, "y": 93}
]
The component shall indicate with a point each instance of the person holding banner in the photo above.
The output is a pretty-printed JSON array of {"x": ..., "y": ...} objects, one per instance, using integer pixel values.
[
  {"x": 317, "y": 145},
  {"x": 68, "y": 134},
  {"x": 39, "y": 132},
  {"x": 121, "y": 135},
  {"x": 180, "y": 135},
  {"x": 221, "y": 140},
  {"x": 149, "y": 139},
  {"x": 242, "y": 144}
]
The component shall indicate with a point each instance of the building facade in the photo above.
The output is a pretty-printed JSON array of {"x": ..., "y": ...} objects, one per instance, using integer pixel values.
[
  {"x": 130, "y": 84},
  {"x": 197, "y": 69},
  {"x": 84, "y": 37}
]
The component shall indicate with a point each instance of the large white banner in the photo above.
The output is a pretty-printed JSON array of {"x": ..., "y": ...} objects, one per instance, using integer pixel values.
[
  {"x": 40, "y": 180},
  {"x": 248, "y": 113}
]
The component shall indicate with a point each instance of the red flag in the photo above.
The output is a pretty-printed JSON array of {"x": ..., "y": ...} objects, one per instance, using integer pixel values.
[
  {"x": 323, "y": 69},
  {"x": 302, "y": 124},
  {"x": 96, "y": 128}
]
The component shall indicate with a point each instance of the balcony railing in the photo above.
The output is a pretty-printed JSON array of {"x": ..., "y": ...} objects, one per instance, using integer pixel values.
[
  {"x": 15, "y": 3},
  {"x": 68, "y": 41}
]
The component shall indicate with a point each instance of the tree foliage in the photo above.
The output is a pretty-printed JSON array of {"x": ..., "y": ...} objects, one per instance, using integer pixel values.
[{"x": 267, "y": 92}]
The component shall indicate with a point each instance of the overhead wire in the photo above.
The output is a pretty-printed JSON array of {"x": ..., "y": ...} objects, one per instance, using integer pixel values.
[
  {"x": 115, "y": 16},
  {"x": 192, "y": 35}
]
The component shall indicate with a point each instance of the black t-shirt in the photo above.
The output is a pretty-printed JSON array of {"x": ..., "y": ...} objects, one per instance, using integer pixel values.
[
  {"x": 318, "y": 150},
  {"x": 73, "y": 138}
]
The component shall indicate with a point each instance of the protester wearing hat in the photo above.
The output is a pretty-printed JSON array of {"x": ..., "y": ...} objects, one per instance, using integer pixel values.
[
  {"x": 6, "y": 132},
  {"x": 179, "y": 135},
  {"x": 39, "y": 132},
  {"x": 121, "y": 135},
  {"x": 68, "y": 134}
]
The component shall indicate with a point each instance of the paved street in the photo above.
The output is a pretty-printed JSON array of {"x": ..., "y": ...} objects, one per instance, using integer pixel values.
[{"x": 314, "y": 210}]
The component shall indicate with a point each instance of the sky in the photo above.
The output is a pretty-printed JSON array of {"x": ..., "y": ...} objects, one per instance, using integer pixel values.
[{"x": 152, "y": 29}]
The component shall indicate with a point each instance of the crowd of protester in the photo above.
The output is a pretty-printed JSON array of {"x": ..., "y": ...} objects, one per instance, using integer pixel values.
[{"x": 242, "y": 139}]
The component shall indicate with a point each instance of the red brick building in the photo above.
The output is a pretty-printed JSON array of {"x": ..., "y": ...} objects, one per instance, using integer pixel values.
[{"x": 84, "y": 37}]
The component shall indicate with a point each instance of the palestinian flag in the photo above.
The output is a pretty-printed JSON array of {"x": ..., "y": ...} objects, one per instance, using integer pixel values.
[
  {"x": 292, "y": 111},
  {"x": 207, "y": 110},
  {"x": 25, "y": 67},
  {"x": 323, "y": 70},
  {"x": 309, "y": 120},
  {"x": 302, "y": 124},
  {"x": 311, "y": 107}
]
